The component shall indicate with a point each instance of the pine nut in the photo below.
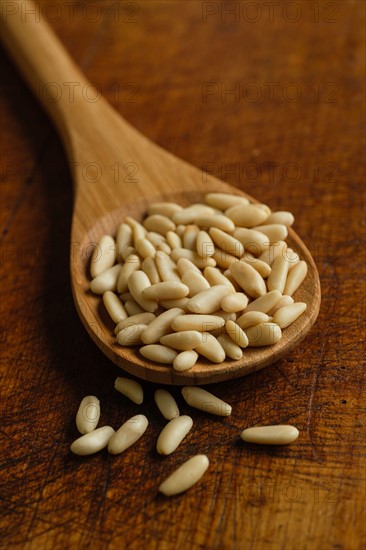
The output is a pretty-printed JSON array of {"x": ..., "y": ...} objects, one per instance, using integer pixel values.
[
  {"x": 130, "y": 388},
  {"x": 138, "y": 233},
  {"x": 144, "y": 318},
  {"x": 173, "y": 240},
  {"x": 158, "y": 353},
  {"x": 283, "y": 217},
  {"x": 219, "y": 220},
  {"x": 246, "y": 215},
  {"x": 292, "y": 258},
  {"x": 145, "y": 248},
  {"x": 223, "y": 201},
  {"x": 182, "y": 341},
  {"x": 223, "y": 259},
  {"x": 103, "y": 257},
  {"x": 131, "y": 335},
  {"x": 252, "y": 318},
  {"x": 149, "y": 267},
  {"x": 277, "y": 278},
  {"x": 248, "y": 278},
  {"x": 132, "y": 264},
  {"x": 231, "y": 349},
  {"x": 190, "y": 236},
  {"x": 195, "y": 282},
  {"x": 282, "y": 302},
  {"x": 265, "y": 303},
  {"x": 185, "y": 476},
  {"x": 272, "y": 252},
  {"x": 173, "y": 434},
  {"x": 106, "y": 280},
  {"x": 160, "y": 326},
  {"x": 225, "y": 315},
  {"x": 180, "y": 230},
  {"x": 211, "y": 348},
  {"x": 202, "y": 323},
  {"x": 263, "y": 268},
  {"x": 137, "y": 282},
  {"x": 226, "y": 242},
  {"x": 88, "y": 414},
  {"x": 275, "y": 232},
  {"x": 295, "y": 277},
  {"x": 236, "y": 334},
  {"x": 234, "y": 302},
  {"x": 159, "y": 224},
  {"x": 164, "y": 209},
  {"x": 205, "y": 401},
  {"x": 288, "y": 314},
  {"x": 208, "y": 300},
  {"x": 114, "y": 306},
  {"x": 133, "y": 308},
  {"x": 199, "y": 262},
  {"x": 124, "y": 241},
  {"x": 166, "y": 267},
  {"x": 215, "y": 277},
  {"x": 185, "y": 360},
  {"x": 264, "y": 334},
  {"x": 166, "y": 404},
  {"x": 184, "y": 265},
  {"x": 270, "y": 435},
  {"x": 263, "y": 207},
  {"x": 128, "y": 434},
  {"x": 252, "y": 240},
  {"x": 92, "y": 442},
  {"x": 188, "y": 215},
  {"x": 172, "y": 304},
  {"x": 155, "y": 238},
  {"x": 167, "y": 290},
  {"x": 204, "y": 245}
]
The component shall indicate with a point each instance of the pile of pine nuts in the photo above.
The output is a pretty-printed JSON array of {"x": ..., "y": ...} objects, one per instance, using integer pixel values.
[
  {"x": 95, "y": 439},
  {"x": 206, "y": 280}
]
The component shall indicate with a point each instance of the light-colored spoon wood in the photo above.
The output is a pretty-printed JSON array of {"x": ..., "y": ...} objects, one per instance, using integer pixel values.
[{"x": 118, "y": 172}]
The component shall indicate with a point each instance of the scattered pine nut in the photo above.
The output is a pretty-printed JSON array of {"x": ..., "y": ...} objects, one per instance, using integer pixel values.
[
  {"x": 270, "y": 435},
  {"x": 88, "y": 414},
  {"x": 114, "y": 307},
  {"x": 205, "y": 401},
  {"x": 173, "y": 434},
  {"x": 166, "y": 404},
  {"x": 130, "y": 388},
  {"x": 189, "y": 473},
  {"x": 185, "y": 360},
  {"x": 92, "y": 442},
  {"x": 128, "y": 434}
]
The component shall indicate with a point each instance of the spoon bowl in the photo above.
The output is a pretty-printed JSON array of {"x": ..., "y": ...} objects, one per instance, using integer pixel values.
[{"x": 118, "y": 172}]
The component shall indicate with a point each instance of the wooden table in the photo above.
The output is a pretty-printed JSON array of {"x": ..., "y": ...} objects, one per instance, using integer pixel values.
[{"x": 267, "y": 96}]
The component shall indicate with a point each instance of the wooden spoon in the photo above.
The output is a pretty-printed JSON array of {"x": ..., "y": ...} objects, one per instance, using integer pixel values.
[{"x": 118, "y": 172}]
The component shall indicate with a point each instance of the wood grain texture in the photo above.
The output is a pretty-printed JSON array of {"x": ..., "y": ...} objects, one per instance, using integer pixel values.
[{"x": 167, "y": 67}]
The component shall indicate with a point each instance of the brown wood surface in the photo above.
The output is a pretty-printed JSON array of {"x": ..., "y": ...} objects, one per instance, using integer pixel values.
[{"x": 168, "y": 67}]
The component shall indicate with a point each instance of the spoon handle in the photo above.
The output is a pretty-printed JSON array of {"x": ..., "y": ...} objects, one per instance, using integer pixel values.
[{"x": 47, "y": 67}]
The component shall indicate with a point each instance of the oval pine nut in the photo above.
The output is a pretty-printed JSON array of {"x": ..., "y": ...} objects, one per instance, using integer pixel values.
[
  {"x": 275, "y": 232},
  {"x": 223, "y": 259},
  {"x": 166, "y": 404},
  {"x": 164, "y": 247},
  {"x": 205, "y": 401},
  {"x": 264, "y": 334},
  {"x": 166, "y": 267},
  {"x": 202, "y": 323},
  {"x": 288, "y": 314},
  {"x": 173, "y": 434},
  {"x": 158, "y": 353},
  {"x": 188, "y": 215},
  {"x": 204, "y": 245},
  {"x": 252, "y": 318},
  {"x": 133, "y": 308},
  {"x": 92, "y": 442},
  {"x": 236, "y": 334},
  {"x": 132, "y": 264},
  {"x": 114, "y": 307},
  {"x": 138, "y": 233},
  {"x": 155, "y": 238},
  {"x": 141, "y": 318},
  {"x": 252, "y": 240},
  {"x": 248, "y": 278},
  {"x": 182, "y": 341},
  {"x": 160, "y": 326},
  {"x": 265, "y": 303},
  {"x": 282, "y": 302},
  {"x": 211, "y": 348},
  {"x": 184, "y": 265},
  {"x": 104, "y": 256},
  {"x": 185, "y": 360},
  {"x": 185, "y": 476},
  {"x": 124, "y": 241},
  {"x": 163, "y": 208},
  {"x": 128, "y": 434},
  {"x": 226, "y": 242},
  {"x": 131, "y": 335},
  {"x": 173, "y": 240},
  {"x": 219, "y": 220},
  {"x": 138, "y": 281},
  {"x": 234, "y": 302},
  {"x": 272, "y": 252},
  {"x": 231, "y": 349},
  {"x": 292, "y": 258},
  {"x": 159, "y": 224},
  {"x": 277, "y": 278},
  {"x": 195, "y": 282},
  {"x": 167, "y": 290},
  {"x": 270, "y": 435},
  {"x": 208, "y": 300},
  {"x": 130, "y": 388},
  {"x": 145, "y": 248},
  {"x": 215, "y": 277},
  {"x": 263, "y": 268},
  {"x": 149, "y": 267},
  {"x": 172, "y": 304},
  {"x": 189, "y": 237},
  {"x": 106, "y": 280},
  {"x": 88, "y": 414},
  {"x": 295, "y": 277},
  {"x": 282, "y": 217},
  {"x": 246, "y": 215},
  {"x": 223, "y": 201}
]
